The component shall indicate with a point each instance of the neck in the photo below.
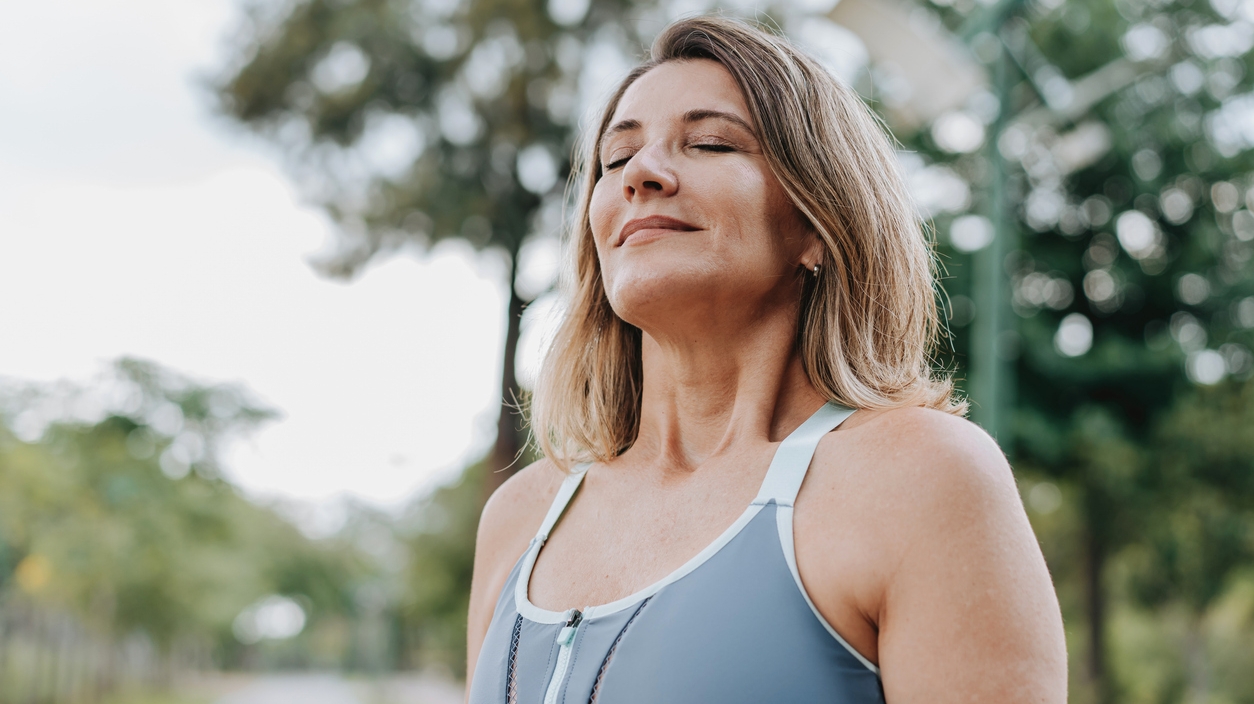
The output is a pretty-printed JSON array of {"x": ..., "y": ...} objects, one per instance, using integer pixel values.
[{"x": 707, "y": 395}]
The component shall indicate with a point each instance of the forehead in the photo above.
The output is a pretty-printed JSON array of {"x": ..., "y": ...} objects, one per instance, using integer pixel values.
[{"x": 677, "y": 87}]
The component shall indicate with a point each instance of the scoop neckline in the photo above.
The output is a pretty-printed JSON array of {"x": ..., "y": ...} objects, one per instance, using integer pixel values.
[
  {"x": 522, "y": 589},
  {"x": 541, "y": 615}
]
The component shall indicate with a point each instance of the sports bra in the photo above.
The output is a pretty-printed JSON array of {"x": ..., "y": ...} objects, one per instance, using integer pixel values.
[{"x": 732, "y": 625}]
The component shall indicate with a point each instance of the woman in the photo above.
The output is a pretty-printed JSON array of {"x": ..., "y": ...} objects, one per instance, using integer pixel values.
[{"x": 748, "y": 271}]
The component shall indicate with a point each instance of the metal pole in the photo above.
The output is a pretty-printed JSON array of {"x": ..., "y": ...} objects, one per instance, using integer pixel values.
[{"x": 991, "y": 369}]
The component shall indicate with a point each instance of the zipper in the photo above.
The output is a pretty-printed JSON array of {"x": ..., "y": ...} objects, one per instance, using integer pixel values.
[{"x": 565, "y": 639}]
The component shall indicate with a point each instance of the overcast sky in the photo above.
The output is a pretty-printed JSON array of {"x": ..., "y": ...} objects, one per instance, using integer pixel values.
[{"x": 134, "y": 222}]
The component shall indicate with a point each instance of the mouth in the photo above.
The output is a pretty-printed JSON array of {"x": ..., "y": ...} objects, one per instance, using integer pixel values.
[{"x": 654, "y": 224}]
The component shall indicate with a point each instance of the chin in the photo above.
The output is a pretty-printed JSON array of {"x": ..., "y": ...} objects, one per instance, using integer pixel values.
[{"x": 647, "y": 296}]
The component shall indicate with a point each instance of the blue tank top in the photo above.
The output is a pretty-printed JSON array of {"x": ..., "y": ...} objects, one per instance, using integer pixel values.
[{"x": 732, "y": 625}]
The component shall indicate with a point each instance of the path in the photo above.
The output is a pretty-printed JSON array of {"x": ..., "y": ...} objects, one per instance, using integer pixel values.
[{"x": 328, "y": 688}]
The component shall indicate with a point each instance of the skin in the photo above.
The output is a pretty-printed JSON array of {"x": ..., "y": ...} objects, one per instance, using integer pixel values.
[{"x": 910, "y": 535}]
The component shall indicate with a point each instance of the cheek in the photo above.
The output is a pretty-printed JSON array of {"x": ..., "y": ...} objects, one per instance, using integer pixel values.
[
  {"x": 775, "y": 213},
  {"x": 738, "y": 193},
  {"x": 755, "y": 212},
  {"x": 603, "y": 209}
]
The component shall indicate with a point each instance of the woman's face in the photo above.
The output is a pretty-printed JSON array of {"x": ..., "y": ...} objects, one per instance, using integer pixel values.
[{"x": 689, "y": 221}]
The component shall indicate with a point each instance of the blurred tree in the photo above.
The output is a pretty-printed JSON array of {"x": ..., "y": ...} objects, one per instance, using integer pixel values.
[
  {"x": 1127, "y": 149},
  {"x": 126, "y": 521},
  {"x": 440, "y": 537},
  {"x": 413, "y": 122},
  {"x": 1200, "y": 535}
]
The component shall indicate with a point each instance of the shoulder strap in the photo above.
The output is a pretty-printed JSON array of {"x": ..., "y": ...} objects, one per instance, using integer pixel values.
[
  {"x": 792, "y": 457},
  {"x": 564, "y": 493}
]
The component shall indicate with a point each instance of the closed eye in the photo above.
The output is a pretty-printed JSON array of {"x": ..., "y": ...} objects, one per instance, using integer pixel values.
[
  {"x": 718, "y": 148},
  {"x": 615, "y": 164}
]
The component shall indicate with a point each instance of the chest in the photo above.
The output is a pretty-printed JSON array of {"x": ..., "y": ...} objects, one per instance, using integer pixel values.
[
  {"x": 615, "y": 541},
  {"x": 713, "y": 634}
]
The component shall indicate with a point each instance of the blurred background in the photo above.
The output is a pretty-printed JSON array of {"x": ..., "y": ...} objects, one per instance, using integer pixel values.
[{"x": 276, "y": 277}]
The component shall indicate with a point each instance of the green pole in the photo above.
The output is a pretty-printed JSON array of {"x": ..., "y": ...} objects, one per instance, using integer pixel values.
[{"x": 991, "y": 368}]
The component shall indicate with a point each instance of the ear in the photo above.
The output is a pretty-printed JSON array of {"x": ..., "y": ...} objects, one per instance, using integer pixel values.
[{"x": 814, "y": 249}]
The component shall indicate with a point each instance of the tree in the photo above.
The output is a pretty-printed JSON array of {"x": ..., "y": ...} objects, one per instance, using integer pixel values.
[
  {"x": 416, "y": 122},
  {"x": 125, "y": 522},
  {"x": 1201, "y": 532},
  {"x": 1128, "y": 257},
  {"x": 439, "y": 533}
]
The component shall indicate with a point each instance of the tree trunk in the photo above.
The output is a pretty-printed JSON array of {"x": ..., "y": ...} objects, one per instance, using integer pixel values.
[
  {"x": 506, "y": 453},
  {"x": 1095, "y": 603}
]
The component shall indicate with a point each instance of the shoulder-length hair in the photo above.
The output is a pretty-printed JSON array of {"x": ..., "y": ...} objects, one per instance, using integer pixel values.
[{"x": 868, "y": 322}]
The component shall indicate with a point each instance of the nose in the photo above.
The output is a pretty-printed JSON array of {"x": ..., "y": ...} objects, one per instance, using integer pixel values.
[{"x": 648, "y": 174}]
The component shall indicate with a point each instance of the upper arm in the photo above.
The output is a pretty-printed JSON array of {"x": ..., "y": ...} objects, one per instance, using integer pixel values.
[
  {"x": 968, "y": 611},
  {"x": 509, "y": 520}
]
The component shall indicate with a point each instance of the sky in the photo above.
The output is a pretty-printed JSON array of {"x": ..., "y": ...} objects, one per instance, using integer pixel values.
[{"x": 136, "y": 222}]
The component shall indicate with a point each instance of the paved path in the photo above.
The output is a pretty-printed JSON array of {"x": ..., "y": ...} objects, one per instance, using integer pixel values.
[{"x": 325, "y": 688}]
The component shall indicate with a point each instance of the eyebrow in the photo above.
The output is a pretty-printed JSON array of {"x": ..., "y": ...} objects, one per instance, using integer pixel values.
[{"x": 689, "y": 117}]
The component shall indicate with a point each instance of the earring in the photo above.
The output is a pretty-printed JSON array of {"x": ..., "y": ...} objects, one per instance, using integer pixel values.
[{"x": 816, "y": 270}]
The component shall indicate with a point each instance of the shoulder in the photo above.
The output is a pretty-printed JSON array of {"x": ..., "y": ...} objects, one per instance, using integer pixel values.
[
  {"x": 912, "y": 432},
  {"x": 917, "y": 479},
  {"x": 937, "y": 505},
  {"x": 513, "y": 513},
  {"x": 510, "y": 518},
  {"x": 925, "y": 457}
]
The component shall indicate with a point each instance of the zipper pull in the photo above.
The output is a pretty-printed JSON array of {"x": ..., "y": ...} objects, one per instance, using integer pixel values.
[{"x": 567, "y": 635}]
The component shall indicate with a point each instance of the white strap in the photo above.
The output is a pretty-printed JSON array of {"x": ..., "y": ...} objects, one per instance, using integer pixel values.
[
  {"x": 564, "y": 494},
  {"x": 792, "y": 457}
]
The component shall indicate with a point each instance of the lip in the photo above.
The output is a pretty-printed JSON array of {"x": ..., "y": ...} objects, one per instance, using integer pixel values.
[{"x": 653, "y": 222}]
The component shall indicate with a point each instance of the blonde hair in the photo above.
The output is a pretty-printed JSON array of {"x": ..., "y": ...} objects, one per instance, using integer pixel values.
[{"x": 868, "y": 322}]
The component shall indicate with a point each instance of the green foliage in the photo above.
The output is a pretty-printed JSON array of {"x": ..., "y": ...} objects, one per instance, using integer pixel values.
[
  {"x": 1147, "y": 429},
  {"x": 441, "y": 548},
  {"x": 1202, "y": 527},
  {"x": 414, "y": 122},
  {"x": 102, "y": 520},
  {"x": 476, "y": 83},
  {"x": 96, "y": 519}
]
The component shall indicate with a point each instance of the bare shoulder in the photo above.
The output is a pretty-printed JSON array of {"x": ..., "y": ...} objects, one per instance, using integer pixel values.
[
  {"x": 513, "y": 513},
  {"x": 926, "y": 458},
  {"x": 928, "y": 436},
  {"x": 510, "y": 518},
  {"x": 911, "y": 480},
  {"x": 953, "y": 578}
]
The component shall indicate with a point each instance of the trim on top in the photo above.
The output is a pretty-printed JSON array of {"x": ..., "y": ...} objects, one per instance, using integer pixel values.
[
  {"x": 783, "y": 479},
  {"x": 783, "y": 520},
  {"x": 534, "y": 613}
]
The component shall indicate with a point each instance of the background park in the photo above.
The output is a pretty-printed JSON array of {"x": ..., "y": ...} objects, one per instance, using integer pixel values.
[{"x": 276, "y": 276}]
